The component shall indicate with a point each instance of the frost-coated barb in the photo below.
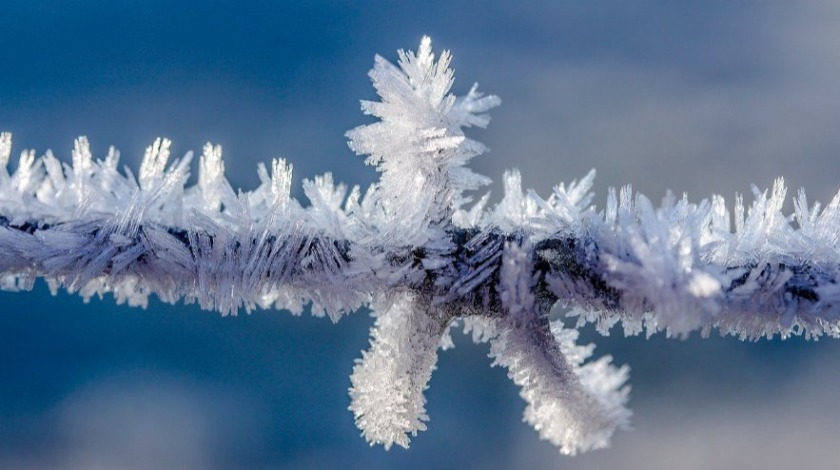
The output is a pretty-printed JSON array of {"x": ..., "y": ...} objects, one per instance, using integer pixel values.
[{"x": 423, "y": 260}]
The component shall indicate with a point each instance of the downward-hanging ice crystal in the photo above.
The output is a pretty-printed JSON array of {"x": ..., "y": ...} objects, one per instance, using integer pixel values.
[
  {"x": 574, "y": 405},
  {"x": 423, "y": 261}
]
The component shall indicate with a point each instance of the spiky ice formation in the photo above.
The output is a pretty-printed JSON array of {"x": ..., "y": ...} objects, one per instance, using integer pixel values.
[
  {"x": 424, "y": 262},
  {"x": 419, "y": 144},
  {"x": 575, "y": 406},
  {"x": 389, "y": 379}
]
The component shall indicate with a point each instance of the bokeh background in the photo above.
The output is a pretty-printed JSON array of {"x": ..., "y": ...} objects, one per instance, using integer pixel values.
[{"x": 702, "y": 97}]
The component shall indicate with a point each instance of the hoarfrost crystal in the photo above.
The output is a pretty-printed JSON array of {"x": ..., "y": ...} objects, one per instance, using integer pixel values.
[{"x": 424, "y": 261}]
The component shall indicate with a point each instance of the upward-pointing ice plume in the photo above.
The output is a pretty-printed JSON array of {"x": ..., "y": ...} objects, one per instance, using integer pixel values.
[{"x": 419, "y": 144}]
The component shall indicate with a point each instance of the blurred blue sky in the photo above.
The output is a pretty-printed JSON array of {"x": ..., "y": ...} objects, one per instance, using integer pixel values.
[{"x": 703, "y": 97}]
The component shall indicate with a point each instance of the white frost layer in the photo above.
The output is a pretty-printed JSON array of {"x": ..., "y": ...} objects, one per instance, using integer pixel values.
[
  {"x": 412, "y": 244},
  {"x": 418, "y": 144},
  {"x": 575, "y": 405},
  {"x": 389, "y": 380}
]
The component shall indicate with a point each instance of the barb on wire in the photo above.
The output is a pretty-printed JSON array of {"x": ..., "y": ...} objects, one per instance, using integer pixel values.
[{"x": 425, "y": 258}]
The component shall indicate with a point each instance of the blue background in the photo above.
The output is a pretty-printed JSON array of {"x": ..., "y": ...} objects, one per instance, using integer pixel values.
[{"x": 703, "y": 98}]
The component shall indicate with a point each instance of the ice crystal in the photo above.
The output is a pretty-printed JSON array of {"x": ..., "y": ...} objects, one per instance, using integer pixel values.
[{"x": 424, "y": 261}]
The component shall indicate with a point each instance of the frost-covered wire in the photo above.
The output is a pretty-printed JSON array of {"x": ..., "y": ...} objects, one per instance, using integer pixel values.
[{"x": 425, "y": 258}]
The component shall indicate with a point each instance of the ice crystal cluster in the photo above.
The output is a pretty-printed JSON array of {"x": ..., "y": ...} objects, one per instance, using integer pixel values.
[{"x": 425, "y": 258}]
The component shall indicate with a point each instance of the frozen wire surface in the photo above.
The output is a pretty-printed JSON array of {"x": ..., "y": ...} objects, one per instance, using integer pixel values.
[{"x": 414, "y": 249}]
